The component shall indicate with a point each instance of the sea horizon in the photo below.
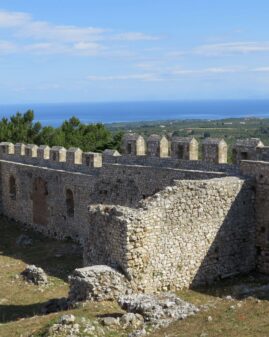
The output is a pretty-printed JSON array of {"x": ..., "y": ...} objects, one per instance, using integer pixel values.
[{"x": 128, "y": 111}]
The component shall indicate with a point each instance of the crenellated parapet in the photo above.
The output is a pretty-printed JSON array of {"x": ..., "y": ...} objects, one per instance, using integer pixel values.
[
  {"x": 58, "y": 154},
  {"x": 31, "y": 150},
  {"x": 92, "y": 159},
  {"x": 72, "y": 159},
  {"x": 185, "y": 148},
  {"x": 133, "y": 145},
  {"x": 178, "y": 148},
  {"x": 43, "y": 152},
  {"x": 215, "y": 150},
  {"x": 248, "y": 149},
  {"x": 157, "y": 146},
  {"x": 19, "y": 149},
  {"x": 7, "y": 148}
]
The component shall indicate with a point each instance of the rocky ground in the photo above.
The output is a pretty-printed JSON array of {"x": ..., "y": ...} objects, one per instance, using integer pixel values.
[{"x": 34, "y": 301}]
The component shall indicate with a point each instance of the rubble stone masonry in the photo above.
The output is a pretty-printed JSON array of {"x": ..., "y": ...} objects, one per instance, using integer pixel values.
[
  {"x": 188, "y": 234},
  {"x": 164, "y": 223}
]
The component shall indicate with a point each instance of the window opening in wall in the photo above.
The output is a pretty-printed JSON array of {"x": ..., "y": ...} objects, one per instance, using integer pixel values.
[
  {"x": 259, "y": 251},
  {"x": 129, "y": 148},
  {"x": 69, "y": 203},
  {"x": 12, "y": 188},
  {"x": 40, "y": 206},
  {"x": 244, "y": 155},
  {"x": 262, "y": 229},
  {"x": 180, "y": 151}
]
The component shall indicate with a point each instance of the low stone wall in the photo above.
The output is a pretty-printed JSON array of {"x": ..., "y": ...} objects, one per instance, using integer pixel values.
[{"x": 186, "y": 235}]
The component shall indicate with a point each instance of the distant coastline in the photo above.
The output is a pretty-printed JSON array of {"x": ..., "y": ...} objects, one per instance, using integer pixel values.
[{"x": 55, "y": 113}]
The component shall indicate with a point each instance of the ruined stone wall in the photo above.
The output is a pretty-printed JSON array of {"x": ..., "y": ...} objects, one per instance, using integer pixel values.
[
  {"x": 262, "y": 153},
  {"x": 40, "y": 198},
  {"x": 260, "y": 171},
  {"x": 188, "y": 234},
  {"x": 54, "y": 200}
]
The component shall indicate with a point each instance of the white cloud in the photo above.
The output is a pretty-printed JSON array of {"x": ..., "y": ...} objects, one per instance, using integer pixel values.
[
  {"x": 172, "y": 74},
  {"x": 232, "y": 48},
  {"x": 47, "y": 31},
  {"x": 41, "y": 36},
  {"x": 213, "y": 70},
  {"x": 7, "y": 47},
  {"x": 139, "y": 77},
  {"x": 135, "y": 37},
  {"x": 13, "y": 19},
  {"x": 261, "y": 70}
]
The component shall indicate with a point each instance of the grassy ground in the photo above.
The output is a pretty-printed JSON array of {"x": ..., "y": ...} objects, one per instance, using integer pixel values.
[{"x": 21, "y": 303}]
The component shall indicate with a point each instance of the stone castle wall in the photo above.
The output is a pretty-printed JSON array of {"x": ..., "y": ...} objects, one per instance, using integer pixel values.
[
  {"x": 189, "y": 234},
  {"x": 260, "y": 172},
  {"x": 65, "y": 190},
  {"x": 165, "y": 223}
]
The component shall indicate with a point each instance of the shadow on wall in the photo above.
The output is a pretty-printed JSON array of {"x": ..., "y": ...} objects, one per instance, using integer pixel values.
[
  {"x": 233, "y": 251},
  {"x": 127, "y": 191},
  {"x": 124, "y": 192}
]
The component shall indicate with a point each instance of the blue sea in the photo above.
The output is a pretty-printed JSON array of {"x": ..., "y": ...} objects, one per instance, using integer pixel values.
[{"x": 55, "y": 114}]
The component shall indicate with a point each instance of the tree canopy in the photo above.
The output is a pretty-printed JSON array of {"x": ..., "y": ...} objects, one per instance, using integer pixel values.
[{"x": 21, "y": 128}]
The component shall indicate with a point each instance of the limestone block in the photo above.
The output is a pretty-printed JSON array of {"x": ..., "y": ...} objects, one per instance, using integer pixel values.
[
  {"x": 58, "y": 154},
  {"x": 19, "y": 149},
  {"x": 133, "y": 144},
  {"x": 7, "y": 148},
  {"x": 92, "y": 159},
  {"x": 43, "y": 152},
  {"x": 157, "y": 146},
  {"x": 35, "y": 275},
  {"x": 97, "y": 283},
  {"x": 74, "y": 155},
  {"x": 31, "y": 150},
  {"x": 215, "y": 150},
  {"x": 184, "y": 148}
]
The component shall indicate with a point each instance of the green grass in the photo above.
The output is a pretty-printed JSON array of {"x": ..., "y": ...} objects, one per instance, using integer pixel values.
[{"x": 21, "y": 303}]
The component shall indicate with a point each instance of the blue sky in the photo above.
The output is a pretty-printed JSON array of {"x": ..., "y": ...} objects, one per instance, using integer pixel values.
[{"x": 120, "y": 50}]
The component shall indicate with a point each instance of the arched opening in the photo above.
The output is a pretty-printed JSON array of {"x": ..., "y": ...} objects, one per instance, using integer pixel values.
[
  {"x": 39, "y": 196},
  {"x": 12, "y": 188},
  {"x": 69, "y": 203}
]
